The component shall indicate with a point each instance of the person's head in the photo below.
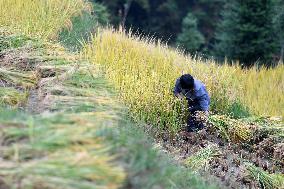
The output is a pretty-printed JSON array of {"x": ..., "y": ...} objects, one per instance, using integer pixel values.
[{"x": 187, "y": 82}]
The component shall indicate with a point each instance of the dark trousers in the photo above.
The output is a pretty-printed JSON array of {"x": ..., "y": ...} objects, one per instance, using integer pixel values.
[{"x": 194, "y": 123}]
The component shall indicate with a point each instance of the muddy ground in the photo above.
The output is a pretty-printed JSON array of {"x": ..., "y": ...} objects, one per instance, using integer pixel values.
[{"x": 229, "y": 164}]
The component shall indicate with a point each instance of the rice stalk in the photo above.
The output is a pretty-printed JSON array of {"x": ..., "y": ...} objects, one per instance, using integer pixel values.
[
  {"x": 62, "y": 149},
  {"x": 58, "y": 148},
  {"x": 231, "y": 129}
]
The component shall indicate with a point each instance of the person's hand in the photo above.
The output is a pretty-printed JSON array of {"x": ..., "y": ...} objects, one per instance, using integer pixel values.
[
  {"x": 201, "y": 116},
  {"x": 179, "y": 96}
]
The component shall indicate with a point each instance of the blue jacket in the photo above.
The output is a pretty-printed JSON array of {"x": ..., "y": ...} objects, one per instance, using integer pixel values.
[{"x": 198, "y": 99}]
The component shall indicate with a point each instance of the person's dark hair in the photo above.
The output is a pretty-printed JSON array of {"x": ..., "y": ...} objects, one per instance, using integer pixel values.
[{"x": 187, "y": 81}]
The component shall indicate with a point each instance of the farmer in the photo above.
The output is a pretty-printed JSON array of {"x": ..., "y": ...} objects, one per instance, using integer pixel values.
[{"x": 198, "y": 100}]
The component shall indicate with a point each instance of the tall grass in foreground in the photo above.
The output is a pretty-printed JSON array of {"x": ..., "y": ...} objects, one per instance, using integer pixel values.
[
  {"x": 145, "y": 72},
  {"x": 40, "y": 18}
]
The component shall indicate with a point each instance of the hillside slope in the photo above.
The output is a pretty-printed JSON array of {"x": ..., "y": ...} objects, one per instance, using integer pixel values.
[
  {"x": 50, "y": 135},
  {"x": 61, "y": 126},
  {"x": 239, "y": 143}
]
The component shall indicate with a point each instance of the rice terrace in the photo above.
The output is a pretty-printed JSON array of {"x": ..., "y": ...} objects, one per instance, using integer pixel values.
[{"x": 88, "y": 101}]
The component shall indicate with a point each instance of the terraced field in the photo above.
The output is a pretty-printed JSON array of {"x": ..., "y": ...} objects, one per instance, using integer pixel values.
[
  {"x": 106, "y": 117},
  {"x": 242, "y": 145},
  {"x": 62, "y": 127},
  {"x": 50, "y": 136}
]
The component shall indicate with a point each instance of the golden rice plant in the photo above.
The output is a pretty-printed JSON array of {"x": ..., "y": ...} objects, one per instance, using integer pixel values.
[
  {"x": 144, "y": 71},
  {"x": 263, "y": 90},
  {"x": 40, "y": 18}
]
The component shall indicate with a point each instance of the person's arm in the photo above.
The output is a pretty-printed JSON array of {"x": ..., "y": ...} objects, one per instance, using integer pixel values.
[
  {"x": 203, "y": 100},
  {"x": 204, "y": 103},
  {"x": 177, "y": 89}
]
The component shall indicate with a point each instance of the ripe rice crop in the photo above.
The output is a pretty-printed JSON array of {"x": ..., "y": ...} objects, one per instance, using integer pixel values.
[
  {"x": 40, "y": 18},
  {"x": 145, "y": 70}
]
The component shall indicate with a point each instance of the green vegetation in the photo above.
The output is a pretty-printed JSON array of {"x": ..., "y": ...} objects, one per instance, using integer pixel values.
[
  {"x": 247, "y": 33},
  {"x": 279, "y": 22},
  {"x": 56, "y": 150},
  {"x": 82, "y": 27},
  {"x": 80, "y": 136},
  {"x": 190, "y": 38},
  {"x": 61, "y": 124}
]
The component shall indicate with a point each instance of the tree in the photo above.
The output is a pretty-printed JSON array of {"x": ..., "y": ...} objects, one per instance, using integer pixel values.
[
  {"x": 279, "y": 23},
  {"x": 161, "y": 18},
  {"x": 100, "y": 14},
  {"x": 190, "y": 38},
  {"x": 247, "y": 33},
  {"x": 83, "y": 25},
  {"x": 120, "y": 9},
  {"x": 165, "y": 19},
  {"x": 207, "y": 12},
  {"x": 225, "y": 38}
]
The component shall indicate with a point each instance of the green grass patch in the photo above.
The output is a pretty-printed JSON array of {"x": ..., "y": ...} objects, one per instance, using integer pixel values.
[
  {"x": 83, "y": 26},
  {"x": 56, "y": 149},
  {"x": 12, "y": 41}
]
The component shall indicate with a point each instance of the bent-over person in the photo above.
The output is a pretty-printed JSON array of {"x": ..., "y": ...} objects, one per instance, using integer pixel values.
[{"x": 198, "y": 100}]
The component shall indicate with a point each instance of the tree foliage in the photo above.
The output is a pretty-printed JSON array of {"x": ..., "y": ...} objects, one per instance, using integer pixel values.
[
  {"x": 240, "y": 30},
  {"x": 247, "y": 33},
  {"x": 279, "y": 23},
  {"x": 190, "y": 38},
  {"x": 83, "y": 25}
]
